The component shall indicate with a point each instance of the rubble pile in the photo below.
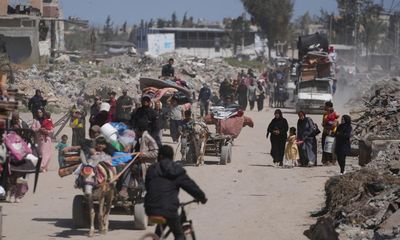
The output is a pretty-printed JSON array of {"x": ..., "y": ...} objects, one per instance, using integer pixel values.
[
  {"x": 380, "y": 116},
  {"x": 365, "y": 204},
  {"x": 64, "y": 82},
  {"x": 388, "y": 160},
  {"x": 360, "y": 205}
]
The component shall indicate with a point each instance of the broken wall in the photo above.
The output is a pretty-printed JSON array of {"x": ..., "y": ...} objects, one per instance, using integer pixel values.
[{"x": 21, "y": 36}]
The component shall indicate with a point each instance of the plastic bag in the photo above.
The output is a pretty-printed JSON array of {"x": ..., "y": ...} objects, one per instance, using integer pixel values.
[
  {"x": 17, "y": 146},
  {"x": 120, "y": 127},
  {"x": 125, "y": 157}
]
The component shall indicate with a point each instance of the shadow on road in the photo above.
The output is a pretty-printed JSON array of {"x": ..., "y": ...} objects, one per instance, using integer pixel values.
[
  {"x": 261, "y": 165},
  {"x": 70, "y": 232},
  {"x": 63, "y": 223}
]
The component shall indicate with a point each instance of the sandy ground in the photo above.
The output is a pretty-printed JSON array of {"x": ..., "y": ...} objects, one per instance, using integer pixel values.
[{"x": 247, "y": 198}]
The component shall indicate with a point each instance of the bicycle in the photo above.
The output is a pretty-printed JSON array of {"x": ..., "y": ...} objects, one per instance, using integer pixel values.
[{"x": 187, "y": 225}]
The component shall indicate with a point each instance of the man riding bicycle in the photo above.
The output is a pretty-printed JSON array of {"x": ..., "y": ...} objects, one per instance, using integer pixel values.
[{"x": 163, "y": 181}]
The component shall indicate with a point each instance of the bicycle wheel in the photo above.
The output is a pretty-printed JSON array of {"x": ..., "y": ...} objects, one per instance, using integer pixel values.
[
  {"x": 150, "y": 236},
  {"x": 189, "y": 233}
]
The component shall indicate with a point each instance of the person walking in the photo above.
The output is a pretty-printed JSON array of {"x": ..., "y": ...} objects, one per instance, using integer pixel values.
[
  {"x": 124, "y": 107},
  {"x": 77, "y": 123},
  {"x": 44, "y": 138},
  {"x": 260, "y": 92},
  {"x": 204, "y": 99},
  {"x": 278, "y": 129},
  {"x": 242, "y": 95},
  {"x": 225, "y": 90},
  {"x": 36, "y": 102},
  {"x": 168, "y": 70},
  {"x": 112, "y": 114},
  {"x": 306, "y": 134},
  {"x": 175, "y": 112},
  {"x": 146, "y": 113},
  {"x": 343, "y": 146},
  {"x": 328, "y": 130},
  {"x": 292, "y": 151},
  {"x": 160, "y": 122},
  {"x": 252, "y": 94},
  {"x": 95, "y": 108}
]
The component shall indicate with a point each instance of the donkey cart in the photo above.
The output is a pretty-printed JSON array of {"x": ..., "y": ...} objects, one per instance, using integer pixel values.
[
  {"x": 219, "y": 145},
  {"x": 132, "y": 204}
]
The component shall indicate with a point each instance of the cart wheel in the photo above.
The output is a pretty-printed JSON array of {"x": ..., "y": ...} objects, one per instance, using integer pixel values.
[
  {"x": 229, "y": 145},
  {"x": 80, "y": 212},
  {"x": 140, "y": 217},
  {"x": 224, "y": 155}
]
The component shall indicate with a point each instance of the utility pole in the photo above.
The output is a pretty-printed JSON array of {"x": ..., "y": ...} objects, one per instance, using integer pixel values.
[
  {"x": 356, "y": 27},
  {"x": 330, "y": 29}
]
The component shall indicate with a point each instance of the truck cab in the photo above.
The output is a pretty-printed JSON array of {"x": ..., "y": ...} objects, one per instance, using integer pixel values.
[{"x": 312, "y": 95}]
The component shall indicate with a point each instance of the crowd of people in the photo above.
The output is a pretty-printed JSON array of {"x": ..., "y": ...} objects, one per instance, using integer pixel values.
[
  {"x": 300, "y": 148},
  {"x": 291, "y": 146},
  {"x": 251, "y": 91}
]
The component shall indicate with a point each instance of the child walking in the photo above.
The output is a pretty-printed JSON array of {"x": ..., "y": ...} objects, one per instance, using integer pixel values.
[
  {"x": 291, "y": 151},
  {"x": 61, "y": 146}
]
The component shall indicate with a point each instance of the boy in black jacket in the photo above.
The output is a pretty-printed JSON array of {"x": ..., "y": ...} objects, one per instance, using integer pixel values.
[{"x": 163, "y": 181}]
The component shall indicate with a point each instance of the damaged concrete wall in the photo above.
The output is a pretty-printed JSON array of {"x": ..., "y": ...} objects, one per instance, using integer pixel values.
[
  {"x": 21, "y": 37},
  {"x": 18, "y": 48}
]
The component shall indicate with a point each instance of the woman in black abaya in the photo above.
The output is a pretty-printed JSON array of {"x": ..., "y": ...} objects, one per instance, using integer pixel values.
[{"x": 278, "y": 129}]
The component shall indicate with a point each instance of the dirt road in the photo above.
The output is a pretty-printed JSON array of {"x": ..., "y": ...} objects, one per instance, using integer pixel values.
[{"x": 248, "y": 198}]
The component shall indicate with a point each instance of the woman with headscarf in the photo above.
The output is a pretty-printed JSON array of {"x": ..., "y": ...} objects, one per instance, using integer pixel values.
[
  {"x": 306, "y": 135},
  {"x": 343, "y": 146},
  {"x": 242, "y": 95},
  {"x": 44, "y": 138},
  {"x": 278, "y": 129}
]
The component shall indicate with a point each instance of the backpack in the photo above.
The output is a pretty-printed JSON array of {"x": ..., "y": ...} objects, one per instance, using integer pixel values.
[{"x": 316, "y": 130}]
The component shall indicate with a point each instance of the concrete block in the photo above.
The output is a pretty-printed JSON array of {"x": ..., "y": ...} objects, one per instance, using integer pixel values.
[{"x": 381, "y": 145}]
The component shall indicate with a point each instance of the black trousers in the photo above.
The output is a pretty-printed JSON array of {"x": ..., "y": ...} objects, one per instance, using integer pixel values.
[
  {"x": 175, "y": 227},
  {"x": 251, "y": 104},
  {"x": 341, "y": 158}
]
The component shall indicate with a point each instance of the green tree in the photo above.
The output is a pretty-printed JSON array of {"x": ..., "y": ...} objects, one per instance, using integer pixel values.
[
  {"x": 108, "y": 31},
  {"x": 174, "y": 20},
  {"x": 132, "y": 35},
  {"x": 161, "y": 23},
  {"x": 184, "y": 20},
  {"x": 302, "y": 22},
  {"x": 372, "y": 27},
  {"x": 124, "y": 27},
  {"x": 237, "y": 30},
  {"x": 272, "y": 16}
]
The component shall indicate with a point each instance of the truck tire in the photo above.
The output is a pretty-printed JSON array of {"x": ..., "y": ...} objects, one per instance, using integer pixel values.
[
  {"x": 140, "y": 217},
  {"x": 80, "y": 212}
]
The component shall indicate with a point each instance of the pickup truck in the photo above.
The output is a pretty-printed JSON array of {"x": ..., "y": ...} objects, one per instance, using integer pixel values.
[{"x": 312, "y": 95}]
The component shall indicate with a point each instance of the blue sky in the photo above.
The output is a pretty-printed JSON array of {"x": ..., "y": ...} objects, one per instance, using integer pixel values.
[{"x": 133, "y": 10}]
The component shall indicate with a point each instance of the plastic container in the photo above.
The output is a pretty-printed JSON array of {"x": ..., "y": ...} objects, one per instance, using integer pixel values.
[
  {"x": 105, "y": 107},
  {"x": 109, "y": 132},
  {"x": 329, "y": 142}
]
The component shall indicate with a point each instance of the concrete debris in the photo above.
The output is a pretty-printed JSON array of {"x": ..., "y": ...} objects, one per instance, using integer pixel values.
[
  {"x": 365, "y": 204},
  {"x": 361, "y": 205},
  {"x": 380, "y": 114},
  {"x": 71, "y": 78}
]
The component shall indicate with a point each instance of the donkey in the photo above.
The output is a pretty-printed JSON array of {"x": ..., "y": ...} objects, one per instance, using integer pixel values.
[
  {"x": 95, "y": 181},
  {"x": 196, "y": 137}
]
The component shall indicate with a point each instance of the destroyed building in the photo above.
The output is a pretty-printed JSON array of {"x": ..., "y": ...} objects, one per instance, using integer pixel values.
[
  {"x": 202, "y": 42},
  {"x": 31, "y": 30}
]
